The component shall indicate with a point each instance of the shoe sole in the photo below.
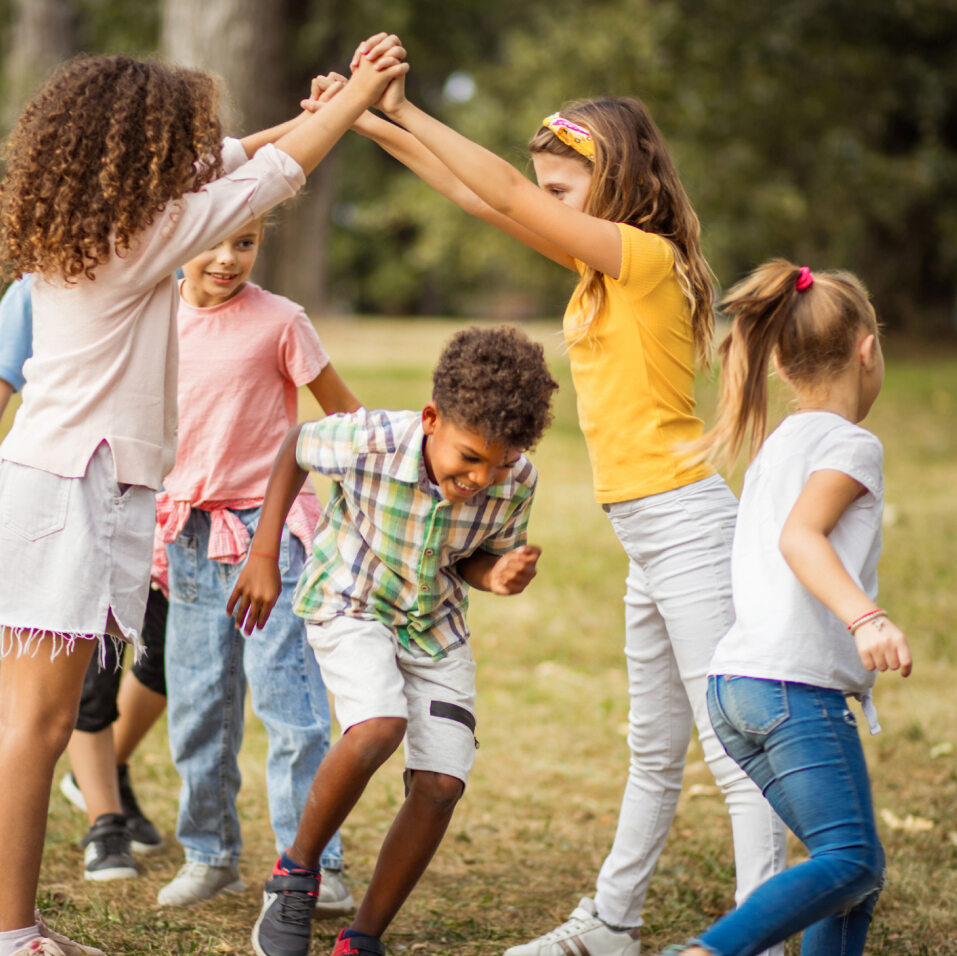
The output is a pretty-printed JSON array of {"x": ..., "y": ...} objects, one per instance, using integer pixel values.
[
  {"x": 334, "y": 909},
  {"x": 146, "y": 848},
  {"x": 113, "y": 873},
  {"x": 237, "y": 887}
]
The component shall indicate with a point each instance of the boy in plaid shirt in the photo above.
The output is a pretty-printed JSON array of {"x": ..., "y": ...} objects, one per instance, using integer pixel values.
[{"x": 423, "y": 506}]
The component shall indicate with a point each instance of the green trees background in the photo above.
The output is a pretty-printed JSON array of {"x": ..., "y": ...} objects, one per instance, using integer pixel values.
[{"x": 822, "y": 130}]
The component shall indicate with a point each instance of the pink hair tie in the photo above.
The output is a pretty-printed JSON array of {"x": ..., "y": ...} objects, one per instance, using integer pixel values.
[{"x": 805, "y": 280}]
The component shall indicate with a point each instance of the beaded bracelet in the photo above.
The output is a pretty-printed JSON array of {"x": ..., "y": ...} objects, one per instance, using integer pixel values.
[{"x": 865, "y": 618}]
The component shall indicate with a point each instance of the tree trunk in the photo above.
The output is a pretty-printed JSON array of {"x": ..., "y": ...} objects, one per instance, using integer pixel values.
[
  {"x": 243, "y": 42},
  {"x": 42, "y": 36}
]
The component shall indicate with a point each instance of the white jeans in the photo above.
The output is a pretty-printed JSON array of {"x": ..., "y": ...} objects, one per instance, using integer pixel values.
[{"x": 677, "y": 607}]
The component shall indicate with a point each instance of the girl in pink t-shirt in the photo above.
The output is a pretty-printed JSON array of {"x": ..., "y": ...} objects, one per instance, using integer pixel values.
[
  {"x": 113, "y": 178},
  {"x": 243, "y": 354}
]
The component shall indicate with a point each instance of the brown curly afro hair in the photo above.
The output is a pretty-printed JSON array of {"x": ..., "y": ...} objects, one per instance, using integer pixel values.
[
  {"x": 96, "y": 154},
  {"x": 495, "y": 381}
]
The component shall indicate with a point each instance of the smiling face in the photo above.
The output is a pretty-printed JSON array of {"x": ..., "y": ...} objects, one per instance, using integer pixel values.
[
  {"x": 460, "y": 461},
  {"x": 566, "y": 178},
  {"x": 216, "y": 275}
]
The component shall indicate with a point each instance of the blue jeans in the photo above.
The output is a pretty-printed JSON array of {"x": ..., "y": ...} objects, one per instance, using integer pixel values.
[
  {"x": 800, "y": 745},
  {"x": 208, "y": 662}
]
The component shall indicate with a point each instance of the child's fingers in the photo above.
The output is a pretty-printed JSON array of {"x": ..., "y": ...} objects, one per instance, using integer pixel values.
[
  {"x": 392, "y": 56},
  {"x": 331, "y": 90},
  {"x": 363, "y": 47},
  {"x": 241, "y": 608}
]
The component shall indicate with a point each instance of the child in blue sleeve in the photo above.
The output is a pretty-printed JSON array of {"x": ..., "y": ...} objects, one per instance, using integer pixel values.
[{"x": 16, "y": 337}]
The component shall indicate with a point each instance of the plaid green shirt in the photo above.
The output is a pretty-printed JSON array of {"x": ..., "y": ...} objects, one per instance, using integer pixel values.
[{"x": 387, "y": 544}]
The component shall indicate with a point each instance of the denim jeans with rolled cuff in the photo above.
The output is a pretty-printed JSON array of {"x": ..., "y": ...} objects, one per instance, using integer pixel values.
[
  {"x": 800, "y": 745},
  {"x": 208, "y": 663}
]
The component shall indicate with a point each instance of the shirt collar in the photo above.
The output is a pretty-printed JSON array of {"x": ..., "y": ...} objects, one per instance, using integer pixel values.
[{"x": 408, "y": 464}]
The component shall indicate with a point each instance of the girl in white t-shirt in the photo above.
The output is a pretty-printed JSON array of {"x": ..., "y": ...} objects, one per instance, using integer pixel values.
[
  {"x": 113, "y": 178},
  {"x": 808, "y": 633}
]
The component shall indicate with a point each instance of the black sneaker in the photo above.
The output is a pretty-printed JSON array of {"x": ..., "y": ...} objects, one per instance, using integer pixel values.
[
  {"x": 284, "y": 927},
  {"x": 108, "y": 855},
  {"x": 143, "y": 835}
]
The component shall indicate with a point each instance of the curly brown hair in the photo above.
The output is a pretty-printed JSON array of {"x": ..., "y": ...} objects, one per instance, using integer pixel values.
[
  {"x": 634, "y": 180},
  {"x": 495, "y": 382},
  {"x": 96, "y": 154}
]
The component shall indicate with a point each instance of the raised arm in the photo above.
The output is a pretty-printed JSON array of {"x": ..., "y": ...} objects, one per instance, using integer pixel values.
[
  {"x": 255, "y": 141},
  {"x": 594, "y": 241},
  {"x": 805, "y": 545},
  {"x": 404, "y": 147},
  {"x": 310, "y": 139}
]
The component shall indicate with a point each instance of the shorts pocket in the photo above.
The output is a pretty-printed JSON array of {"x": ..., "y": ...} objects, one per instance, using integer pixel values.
[
  {"x": 33, "y": 502},
  {"x": 751, "y": 705},
  {"x": 183, "y": 569}
]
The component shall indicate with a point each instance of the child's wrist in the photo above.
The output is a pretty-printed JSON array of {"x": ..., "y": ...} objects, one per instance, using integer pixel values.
[
  {"x": 875, "y": 616},
  {"x": 262, "y": 553}
]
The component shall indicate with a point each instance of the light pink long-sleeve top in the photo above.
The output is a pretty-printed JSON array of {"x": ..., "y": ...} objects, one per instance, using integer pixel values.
[{"x": 105, "y": 351}]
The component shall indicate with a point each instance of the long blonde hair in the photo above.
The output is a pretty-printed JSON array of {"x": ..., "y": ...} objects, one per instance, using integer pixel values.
[
  {"x": 635, "y": 181},
  {"x": 811, "y": 332}
]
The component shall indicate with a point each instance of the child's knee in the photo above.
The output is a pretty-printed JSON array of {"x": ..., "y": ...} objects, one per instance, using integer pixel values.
[
  {"x": 440, "y": 790},
  {"x": 42, "y": 733},
  {"x": 375, "y": 740}
]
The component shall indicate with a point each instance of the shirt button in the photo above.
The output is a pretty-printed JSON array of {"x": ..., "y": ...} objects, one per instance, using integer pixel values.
[
  {"x": 429, "y": 552},
  {"x": 423, "y": 587}
]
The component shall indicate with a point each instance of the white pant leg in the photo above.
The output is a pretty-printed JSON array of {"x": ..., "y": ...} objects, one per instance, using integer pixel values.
[
  {"x": 659, "y": 730},
  {"x": 679, "y": 582}
]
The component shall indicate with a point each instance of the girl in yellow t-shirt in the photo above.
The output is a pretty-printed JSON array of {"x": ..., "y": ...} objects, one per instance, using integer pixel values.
[{"x": 611, "y": 206}]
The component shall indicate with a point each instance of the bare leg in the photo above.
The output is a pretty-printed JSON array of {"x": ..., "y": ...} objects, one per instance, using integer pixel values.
[
  {"x": 340, "y": 780},
  {"x": 139, "y": 709},
  {"x": 39, "y": 698},
  {"x": 93, "y": 760},
  {"x": 410, "y": 844}
]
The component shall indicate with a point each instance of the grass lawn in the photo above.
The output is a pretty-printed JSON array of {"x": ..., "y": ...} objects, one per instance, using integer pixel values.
[{"x": 540, "y": 810}]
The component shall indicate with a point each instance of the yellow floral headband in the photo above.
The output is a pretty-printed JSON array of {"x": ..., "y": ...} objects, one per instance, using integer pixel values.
[{"x": 571, "y": 135}]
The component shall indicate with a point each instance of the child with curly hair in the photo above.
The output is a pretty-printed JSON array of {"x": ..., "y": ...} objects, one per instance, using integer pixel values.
[
  {"x": 610, "y": 206},
  {"x": 422, "y": 506},
  {"x": 115, "y": 175}
]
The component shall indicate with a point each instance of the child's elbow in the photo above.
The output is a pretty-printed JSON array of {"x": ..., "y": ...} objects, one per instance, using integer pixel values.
[{"x": 790, "y": 544}]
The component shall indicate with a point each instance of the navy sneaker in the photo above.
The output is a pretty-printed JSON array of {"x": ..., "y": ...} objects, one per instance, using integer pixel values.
[
  {"x": 107, "y": 845},
  {"x": 357, "y": 944},
  {"x": 284, "y": 927}
]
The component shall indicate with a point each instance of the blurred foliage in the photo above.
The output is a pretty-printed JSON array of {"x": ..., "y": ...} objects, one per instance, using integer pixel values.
[{"x": 822, "y": 130}]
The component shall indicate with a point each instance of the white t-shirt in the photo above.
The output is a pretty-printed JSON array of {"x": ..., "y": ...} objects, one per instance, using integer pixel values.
[{"x": 781, "y": 632}]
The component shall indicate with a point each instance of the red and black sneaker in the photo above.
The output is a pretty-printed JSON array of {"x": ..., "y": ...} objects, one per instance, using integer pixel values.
[
  {"x": 357, "y": 944},
  {"x": 284, "y": 927}
]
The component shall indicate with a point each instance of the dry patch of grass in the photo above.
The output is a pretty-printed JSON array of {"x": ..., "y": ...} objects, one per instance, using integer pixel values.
[{"x": 540, "y": 810}]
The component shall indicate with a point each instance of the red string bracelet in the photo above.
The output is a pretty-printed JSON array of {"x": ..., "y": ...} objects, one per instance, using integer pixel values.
[
  {"x": 264, "y": 554},
  {"x": 864, "y": 618}
]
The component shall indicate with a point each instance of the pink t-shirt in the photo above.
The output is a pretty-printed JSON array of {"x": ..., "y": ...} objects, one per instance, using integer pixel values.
[
  {"x": 239, "y": 367},
  {"x": 104, "y": 351}
]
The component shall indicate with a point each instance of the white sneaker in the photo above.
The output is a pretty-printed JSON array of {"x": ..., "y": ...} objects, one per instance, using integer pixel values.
[
  {"x": 582, "y": 934},
  {"x": 196, "y": 882},
  {"x": 334, "y": 896},
  {"x": 70, "y": 790}
]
